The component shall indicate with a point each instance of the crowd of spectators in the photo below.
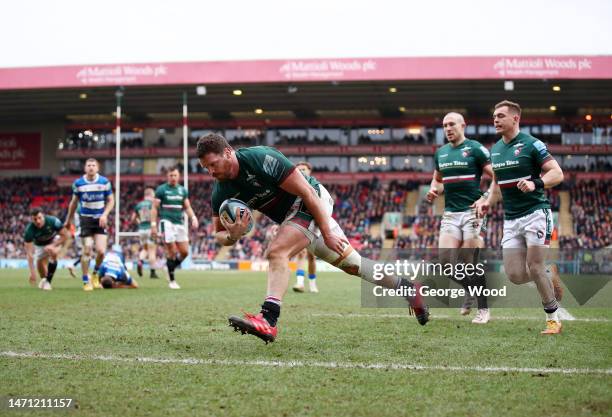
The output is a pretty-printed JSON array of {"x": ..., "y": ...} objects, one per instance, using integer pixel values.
[
  {"x": 357, "y": 207},
  {"x": 591, "y": 214}
]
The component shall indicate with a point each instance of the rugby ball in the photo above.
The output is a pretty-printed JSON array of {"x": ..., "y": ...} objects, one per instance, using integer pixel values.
[{"x": 228, "y": 211}]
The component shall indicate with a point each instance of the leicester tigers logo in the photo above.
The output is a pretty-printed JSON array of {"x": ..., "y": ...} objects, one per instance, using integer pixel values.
[{"x": 518, "y": 149}]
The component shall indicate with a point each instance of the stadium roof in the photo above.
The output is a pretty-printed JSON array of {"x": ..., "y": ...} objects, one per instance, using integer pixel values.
[{"x": 399, "y": 99}]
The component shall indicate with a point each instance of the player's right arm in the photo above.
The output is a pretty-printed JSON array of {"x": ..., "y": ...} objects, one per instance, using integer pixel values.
[
  {"x": 223, "y": 234},
  {"x": 30, "y": 253},
  {"x": 71, "y": 209},
  {"x": 436, "y": 187},
  {"x": 493, "y": 195}
]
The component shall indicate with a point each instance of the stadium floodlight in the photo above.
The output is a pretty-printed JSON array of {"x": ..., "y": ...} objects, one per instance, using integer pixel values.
[
  {"x": 509, "y": 85},
  {"x": 556, "y": 88},
  {"x": 392, "y": 90},
  {"x": 237, "y": 92},
  {"x": 201, "y": 90},
  {"x": 553, "y": 108}
]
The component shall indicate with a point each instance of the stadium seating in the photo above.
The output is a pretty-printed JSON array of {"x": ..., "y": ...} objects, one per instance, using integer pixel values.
[{"x": 358, "y": 207}]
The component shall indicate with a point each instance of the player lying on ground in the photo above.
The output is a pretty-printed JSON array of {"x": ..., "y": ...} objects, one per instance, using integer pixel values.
[
  {"x": 267, "y": 181},
  {"x": 113, "y": 273},
  {"x": 44, "y": 238}
]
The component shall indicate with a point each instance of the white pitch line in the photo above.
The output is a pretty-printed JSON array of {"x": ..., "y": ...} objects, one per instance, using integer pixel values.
[
  {"x": 446, "y": 317},
  {"x": 306, "y": 364}
]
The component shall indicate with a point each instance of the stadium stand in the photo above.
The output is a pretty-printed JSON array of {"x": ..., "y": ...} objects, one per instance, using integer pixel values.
[{"x": 359, "y": 210}]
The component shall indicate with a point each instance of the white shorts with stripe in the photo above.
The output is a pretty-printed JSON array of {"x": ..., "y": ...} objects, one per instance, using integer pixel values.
[
  {"x": 463, "y": 225},
  {"x": 145, "y": 236},
  {"x": 534, "y": 229},
  {"x": 171, "y": 232}
]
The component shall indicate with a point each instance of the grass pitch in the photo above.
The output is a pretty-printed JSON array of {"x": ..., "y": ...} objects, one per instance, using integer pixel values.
[{"x": 158, "y": 352}]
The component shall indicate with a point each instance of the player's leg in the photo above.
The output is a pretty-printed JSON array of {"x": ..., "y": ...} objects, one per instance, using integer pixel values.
[
  {"x": 180, "y": 254},
  {"x": 51, "y": 268},
  {"x": 100, "y": 241},
  {"x": 514, "y": 252},
  {"x": 353, "y": 263},
  {"x": 312, "y": 273},
  {"x": 470, "y": 253},
  {"x": 86, "y": 254},
  {"x": 287, "y": 243},
  {"x": 142, "y": 254},
  {"x": 151, "y": 251},
  {"x": 180, "y": 251},
  {"x": 449, "y": 242},
  {"x": 474, "y": 230},
  {"x": 300, "y": 271},
  {"x": 168, "y": 235},
  {"x": 538, "y": 229},
  {"x": 41, "y": 266}
]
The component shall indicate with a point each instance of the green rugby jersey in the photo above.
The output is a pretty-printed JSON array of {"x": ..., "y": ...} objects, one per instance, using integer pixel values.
[
  {"x": 261, "y": 171},
  {"x": 172, "y": 202},
  {"x": 461, "y": 170},
  {"x": 143, "y": 211},
  {"x": 44, "y": 235},
  {"x": 520, "y": 159}
]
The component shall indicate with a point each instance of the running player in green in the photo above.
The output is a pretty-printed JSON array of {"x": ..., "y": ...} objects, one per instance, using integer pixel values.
[
  {"x": 44, "y": 238},
  {"x": 267, "y": 181},
  {"x": 523, "y": 168},
  {"x": 171, "y": 201},
  {"x": 459, "y": 167},
  {"x": 148, "y": 248}
]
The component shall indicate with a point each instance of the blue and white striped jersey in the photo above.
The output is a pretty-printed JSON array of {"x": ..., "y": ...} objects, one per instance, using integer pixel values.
[
  {"x": 113, "y": 266},
  {"x": 92, "y": 195}
]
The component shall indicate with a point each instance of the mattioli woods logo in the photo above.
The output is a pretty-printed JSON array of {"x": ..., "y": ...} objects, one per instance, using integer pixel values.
[
  {"x": 326, "y": 69},
  {"x": 118, "y": 74},
  {"x": 541, "y": 66}
]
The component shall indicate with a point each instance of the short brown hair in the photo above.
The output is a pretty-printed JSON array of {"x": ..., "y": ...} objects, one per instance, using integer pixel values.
[
  {"x": 92, "y": 160},
  {"x": 510, "y": 104},
  {"x": 211, "y": 143},
  {"x": 306, "y": 164}
]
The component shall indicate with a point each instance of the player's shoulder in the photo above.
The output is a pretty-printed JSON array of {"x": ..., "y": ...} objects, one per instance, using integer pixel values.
[
  {"x": 473, "y": 143},
  {"x": 257, "y": 152},
  {"x": 29, "y": 228},
  {"x": 527, "y": 139},
  {"x": 51, "y": 219},
  {"x": 444, "y": 148},
  {"x": 500, "y": 143},
  {"x": 79, "y": 181},
  {"x": 102, "y": 179}
]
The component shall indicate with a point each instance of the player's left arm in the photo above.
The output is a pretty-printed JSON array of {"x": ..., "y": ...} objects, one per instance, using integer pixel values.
[
  {"x": 296, "y": 184},
  {"x": 190, "y": 213},
  {"x": 551, "y": 173},
  {"x": 110, "y": 202}
]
